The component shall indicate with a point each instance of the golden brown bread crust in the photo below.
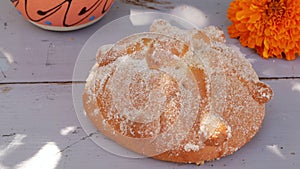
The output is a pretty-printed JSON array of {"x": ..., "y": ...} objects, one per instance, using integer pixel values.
[{"x": 189, "y": 100}]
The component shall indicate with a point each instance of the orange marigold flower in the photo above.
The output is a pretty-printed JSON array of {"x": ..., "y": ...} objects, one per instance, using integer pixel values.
[{"x": 272, "y": 27}]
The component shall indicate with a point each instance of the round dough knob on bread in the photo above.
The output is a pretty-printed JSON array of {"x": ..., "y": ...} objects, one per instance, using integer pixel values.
[{"x": 175, "y": 95}]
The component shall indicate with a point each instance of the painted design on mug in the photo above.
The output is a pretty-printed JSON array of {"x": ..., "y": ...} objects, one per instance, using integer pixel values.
[{"x": 62, "y": 13}]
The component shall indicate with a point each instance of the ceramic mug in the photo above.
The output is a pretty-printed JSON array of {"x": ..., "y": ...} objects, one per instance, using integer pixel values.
[{"x": 62, "y": 15}]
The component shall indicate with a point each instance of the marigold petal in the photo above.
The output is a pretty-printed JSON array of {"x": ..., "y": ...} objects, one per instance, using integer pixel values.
[
  {"x": 253, "y": 7},
  {"x": 290, "y": 55},
  {"x": 267, "y": 32},
  {"x": 259, "y": 40},
  {"x": 240, "y": 15},
  {"x": 265, "y": 54},
  {"x": 251, "y": 43},
  {"x": 244, "y": 39},
  {"x": 241, "y": 27},
  {"x": 254, "y": 18},
  {"x": 266, "y": 44},
  {"x": 233, "y": 33}
]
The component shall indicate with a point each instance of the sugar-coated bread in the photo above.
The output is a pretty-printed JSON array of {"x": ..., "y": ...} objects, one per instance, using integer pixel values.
[{"x": 176, "y": 95}]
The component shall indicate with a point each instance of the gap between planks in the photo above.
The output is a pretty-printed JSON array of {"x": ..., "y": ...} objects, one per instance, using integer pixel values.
[
  {"x": 83, "y": 82},
  {"x": 43, "y": 82}
]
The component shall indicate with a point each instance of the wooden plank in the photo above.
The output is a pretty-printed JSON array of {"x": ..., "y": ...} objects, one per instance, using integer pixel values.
[
  {"x": 39, "y": 55},
  {"x": 28, "y": 53},
  {"x": 40, "y": 117},
  {"x": 36, "y": 117}
]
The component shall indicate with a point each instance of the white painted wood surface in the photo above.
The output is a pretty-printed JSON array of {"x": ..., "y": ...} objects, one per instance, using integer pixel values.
[
  {"x": 38, "y": 123},
  {"x": 38, "y": 55},
  {"x": 42, "y": 115}
]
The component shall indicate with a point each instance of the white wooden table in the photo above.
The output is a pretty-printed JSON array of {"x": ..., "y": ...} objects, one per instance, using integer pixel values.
[{"x": 38, "y": 124}]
